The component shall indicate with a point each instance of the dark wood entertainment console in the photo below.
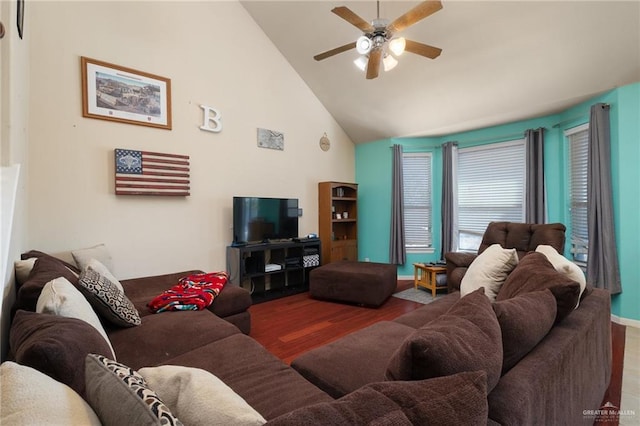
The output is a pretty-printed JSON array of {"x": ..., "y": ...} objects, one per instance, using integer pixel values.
[{"x": 273, "y": 270}]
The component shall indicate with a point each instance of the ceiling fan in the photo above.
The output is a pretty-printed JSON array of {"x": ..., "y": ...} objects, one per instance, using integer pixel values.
[{"x": 378, "y": 42}]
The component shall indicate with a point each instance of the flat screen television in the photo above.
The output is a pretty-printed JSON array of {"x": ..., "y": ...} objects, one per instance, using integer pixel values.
[{"x": 257, "y": 219}]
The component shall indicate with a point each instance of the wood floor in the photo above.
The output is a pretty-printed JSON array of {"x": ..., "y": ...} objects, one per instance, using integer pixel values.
[{"x": 295, "y": 324}]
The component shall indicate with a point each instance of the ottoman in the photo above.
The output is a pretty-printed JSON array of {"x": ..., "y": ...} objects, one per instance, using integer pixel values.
[{"x": 364, "y": 283}]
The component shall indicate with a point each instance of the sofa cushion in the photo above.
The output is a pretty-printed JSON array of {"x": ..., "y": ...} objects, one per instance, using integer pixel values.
[
  {"x": 120, "y": 395},
  {"x": 267, "y": 384},
  {"x": 161, "y": 337},
  {"x": 45, "y": 269},
  {"x": 111, "y": 303},
  {"x": 459, "y": 399},
  {"x": 466, "y": 338},
  {"x": 425, "y": 314},
  {"x": 60, "y": 297},
  {"x": 535, "y": 272},
  {"x": 524, "y": 321},
  {"x": 100, "y": 268},
  {"x": 565, "y": 266},
  {"x": 338, "y": 368},
  {"x": 30, "y": 397},
  {"x": 189, "y": 393},
  {"x": 489, "y": 270},
  {"x": 40, "y": 255},
  {"x": 55, "y": 345}
]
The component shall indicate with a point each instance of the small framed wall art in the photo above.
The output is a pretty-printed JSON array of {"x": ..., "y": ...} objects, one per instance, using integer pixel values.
[{"x": 115, "y": 93}]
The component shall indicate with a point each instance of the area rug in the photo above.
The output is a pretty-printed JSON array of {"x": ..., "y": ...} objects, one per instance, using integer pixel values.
[{"x": 417, "y": 295}]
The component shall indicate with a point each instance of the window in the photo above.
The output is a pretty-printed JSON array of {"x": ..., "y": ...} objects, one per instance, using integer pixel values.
[
  {"x": 490, "y": 189},
  {"x": 416, "y": 175},
  {"x": 578, "y": 139}
]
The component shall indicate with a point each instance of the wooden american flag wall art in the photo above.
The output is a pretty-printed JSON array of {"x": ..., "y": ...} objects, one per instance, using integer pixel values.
[{"x": 151, "y": 173}]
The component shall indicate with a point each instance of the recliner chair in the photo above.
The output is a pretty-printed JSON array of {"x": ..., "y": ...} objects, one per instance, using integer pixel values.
[{"x": 524, "y": 237}]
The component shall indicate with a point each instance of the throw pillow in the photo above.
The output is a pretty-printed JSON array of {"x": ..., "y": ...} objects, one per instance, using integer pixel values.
[
  {"x": 458, "y": 399},
  {"x": 489, "y": 270},
  {"x": 107, "y": 300},
  {"x": 39, "y": 255},
  {"x": 565, "y": 266},
  {"x": 55, "y": 345},
  {"x": 103, "y": 270},
  {"x": 23, "y": 269},
  {"x": 120, "y": 396},
  {"x": 60, "y": 297},
  {"x": 30, "y": 397},
  {"x": 524, "y": 321},
  {"x": 44, "y": 270},
  {"x": 535, "y": 272},
  {"x": 466, "y": 338},
  {"x": 98, "y": 252},
  {"x": 187, "y": 392}
]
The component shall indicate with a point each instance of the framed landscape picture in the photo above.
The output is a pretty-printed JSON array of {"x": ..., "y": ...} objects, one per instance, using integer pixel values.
[{"x": 115, "y": 93}]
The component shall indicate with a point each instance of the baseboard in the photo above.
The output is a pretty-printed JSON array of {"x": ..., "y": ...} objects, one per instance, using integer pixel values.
[
  {"x": 405, "y": 277},
  {"x": 625, "y": 321}
]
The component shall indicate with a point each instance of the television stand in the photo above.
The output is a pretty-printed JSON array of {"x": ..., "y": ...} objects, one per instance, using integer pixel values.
[{"x": 247, "y": 267}]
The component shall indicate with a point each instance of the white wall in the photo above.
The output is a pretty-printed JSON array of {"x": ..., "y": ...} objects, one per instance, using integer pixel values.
[
  {"x": 214, "y": 54},
  {"x": 14, "y": 91}
]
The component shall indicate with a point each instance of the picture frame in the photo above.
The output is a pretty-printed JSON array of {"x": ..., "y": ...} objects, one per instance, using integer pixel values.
[{"x": 116, "y": 93}]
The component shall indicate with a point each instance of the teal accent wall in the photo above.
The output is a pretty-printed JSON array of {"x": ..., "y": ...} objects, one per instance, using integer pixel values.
[{"x": 373, "y": 174}]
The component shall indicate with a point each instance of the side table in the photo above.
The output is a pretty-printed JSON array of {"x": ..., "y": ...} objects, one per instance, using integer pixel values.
[{"x": 426, "y": 276}]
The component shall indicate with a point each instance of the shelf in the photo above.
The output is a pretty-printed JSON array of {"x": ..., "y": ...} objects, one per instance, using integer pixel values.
[
  {"x": 246, "y": 264},
  {"x": 338, "y": 198}
]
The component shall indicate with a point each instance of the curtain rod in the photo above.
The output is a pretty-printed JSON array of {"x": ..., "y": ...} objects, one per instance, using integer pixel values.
[
  {"x": 501, "y": 138},
  {"x": 569, "y": 120}
]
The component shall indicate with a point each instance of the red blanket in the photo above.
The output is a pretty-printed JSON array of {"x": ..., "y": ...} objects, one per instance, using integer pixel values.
[{"x": 192, "y": 293}]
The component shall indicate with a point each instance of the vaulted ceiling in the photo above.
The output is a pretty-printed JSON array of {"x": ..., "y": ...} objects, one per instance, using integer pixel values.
[{"x": 502, "y": 61}]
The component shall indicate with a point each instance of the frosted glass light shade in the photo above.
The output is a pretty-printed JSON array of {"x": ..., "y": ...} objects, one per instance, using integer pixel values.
[
  {"x": 397, "y": 45},
  {"x": 363, "y": 45},
  {"x": 361, "y": 63},
  {"x": 389, "y": 62}
]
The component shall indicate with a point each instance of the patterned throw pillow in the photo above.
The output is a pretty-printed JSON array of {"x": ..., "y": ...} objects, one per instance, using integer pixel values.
[
  {"x": 119, "y": 395},
  {"x": 107, "y": 299}
]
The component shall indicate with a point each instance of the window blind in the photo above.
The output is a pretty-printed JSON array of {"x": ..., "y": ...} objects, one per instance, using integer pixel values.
[
  {"x": 416, "y": 175},
  {"x": 490, "y": 189},
  {"x": 578, "y": 139}
]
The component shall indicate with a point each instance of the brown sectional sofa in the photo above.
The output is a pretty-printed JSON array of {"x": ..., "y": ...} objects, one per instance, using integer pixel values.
[
  {"x": 350, "y": 381},
  {"x": 554, "y": 382},
  {"x": 216, "y": 344}
]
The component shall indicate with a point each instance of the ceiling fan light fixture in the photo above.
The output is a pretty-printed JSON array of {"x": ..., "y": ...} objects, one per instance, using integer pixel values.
[
  {"x": 364, "y": 45},
  {"x": 389, "y": 62},
  {"x": 361, "y": 63},
  {"x": 397, "y": 45}
]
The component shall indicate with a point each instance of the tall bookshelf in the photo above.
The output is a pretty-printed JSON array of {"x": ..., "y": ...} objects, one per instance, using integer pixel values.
[{"x": 338, "y": 220}]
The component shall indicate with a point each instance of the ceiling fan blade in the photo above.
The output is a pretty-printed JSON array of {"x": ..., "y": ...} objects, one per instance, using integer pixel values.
[
  {"x": 335, "y": 51},
  {"x": 350, "y": 16},
  {"x": 422, "y": 49},
  {"x": 419, "y": 12},
  {"x": 373, "y": 66}
]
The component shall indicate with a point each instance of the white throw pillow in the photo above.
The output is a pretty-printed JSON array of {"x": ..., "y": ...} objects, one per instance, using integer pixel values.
[
  {"x": 60, "y": 297},
  {"x": 197, "y": 397},
  {"x": 23, "y": 269},
  {"x": 564, "y": 266},
  {"x": 104, "y": 271},
  {"x": 489, "y": 270},
  {"x": 82, "y": 257},
  {"x": 30, "y": 397}
]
